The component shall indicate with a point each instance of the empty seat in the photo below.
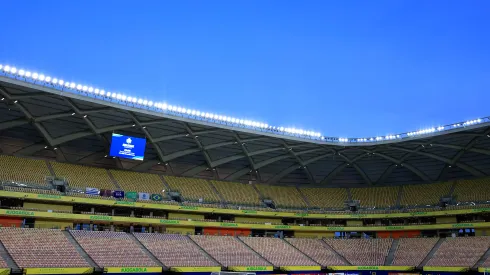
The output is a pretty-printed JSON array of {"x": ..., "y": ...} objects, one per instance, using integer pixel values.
[
  {"x": 326, "y": 197},
  {"x": 412, "y": 251},
  {"x": 229, "y": 251},
  {"x": 141, "y": 182},
  {"x": 316, "y": 250},
  {"x": 285, "y": 197},
  {"x": 461, "y": 252},
  {"x": 475, "y": 190},
  {"x": 237, "y": 193},
  {"x": 80, "y": 176},
  {"x": 375, "y": 196},
  {"x": 112, "y": 249},
  {"x": 23, "y": 170},
  {"x": 40, "y": 248},
  {"x": 424, "y": 194},
  {"x": 278, "y": 252},
  {"x": 192, "y": 189},
  {"x": 362, "y": 251},
  {"x": 174, "y": 250}
]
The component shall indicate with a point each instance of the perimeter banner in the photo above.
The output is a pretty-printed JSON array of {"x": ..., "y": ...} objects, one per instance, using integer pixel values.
[
  {"x": 133, "y": 270},
  {"x": 59, "y": 270}
]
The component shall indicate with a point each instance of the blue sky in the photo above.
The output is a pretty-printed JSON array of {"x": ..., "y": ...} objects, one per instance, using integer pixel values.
[{"x": 344, "y": 68}]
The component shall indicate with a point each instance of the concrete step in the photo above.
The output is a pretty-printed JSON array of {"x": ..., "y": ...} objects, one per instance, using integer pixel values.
[
  {"x": 9, "y": 260},
  {"x": 391, "y": 253},
  {"x": 81, "y": 251},
  {"x": 431, "y": 252},
  {"x": 147, "y": 252}
]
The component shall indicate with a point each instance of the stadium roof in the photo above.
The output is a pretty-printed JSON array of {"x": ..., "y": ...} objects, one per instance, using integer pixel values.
[{"x": 39, "y": 120}]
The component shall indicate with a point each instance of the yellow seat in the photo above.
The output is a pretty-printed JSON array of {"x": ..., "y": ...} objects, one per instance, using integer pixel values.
[
  {"x": 237, "y": 193},
  {"x": 83, "y": 176},
  {"x": 23, "y": 170},
  {"x": 424, "y": 194},
  {"x": 287, "y": 197},
  {"x": 141, "y": 182},
  {"x": 192, "y": 189},
  {"x": 375, "y": 196},
  {"x": 474, "y": 190},
  {"x": 325, "y": 197}
]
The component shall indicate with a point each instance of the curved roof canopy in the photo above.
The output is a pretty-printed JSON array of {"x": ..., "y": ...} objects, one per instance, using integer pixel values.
[{"x": 41, "y": 121}]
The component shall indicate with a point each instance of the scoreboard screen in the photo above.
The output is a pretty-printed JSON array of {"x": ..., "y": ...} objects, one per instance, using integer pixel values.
[{"x": 128, "y": 147}]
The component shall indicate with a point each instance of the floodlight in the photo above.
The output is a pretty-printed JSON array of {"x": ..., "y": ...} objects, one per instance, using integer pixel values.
[
  {"x": 61, "y": 82},
  {"x": 47, "y": 79},
  {"x": 35, "y": 76},
  {"x": 41, "y": 77},
  {"x": 22, "y": 72},
  {"x": 13, "y": 70},
  {"x": 28, "y": 74},
  {"x": 6, "y": 68}
]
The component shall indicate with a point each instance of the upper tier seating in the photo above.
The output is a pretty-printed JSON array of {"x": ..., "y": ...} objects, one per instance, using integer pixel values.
[
  {"x": 192, "y": 189},
  {"x": 476, "y": 190},
  {"x": 362, "y": 251},
  {"x": 317, "y": 251},
  {"x": 424, "y": 194},
  {"x": 461, "y": 252},
  {"x": 412, "y": 251},
  {"x": 237, "y": 193},
  {"x": 326, "y": 197},
  {"x": 23, "y": 170},
  {"x": 83, "y": 176},
  {"x": 229, "y": 251},
  {"x": 112, "y": 249},
  {"x": 40, "y": 248},
  {"x": 375, "y": 196},
  {"x": 141, "y": 182},
  {"x": 282, "y": 196},
  {"x": 174, "y": 250},
  {"x": 277, "y": 251}
]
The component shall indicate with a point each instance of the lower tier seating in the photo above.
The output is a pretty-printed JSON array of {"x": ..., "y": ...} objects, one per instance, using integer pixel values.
[
  {"x": 40, "y": 248},
  {"x": 174, "y": 250},
  {"x": 362, "y": 251},
  {"x": 317, "y": 251},
  {"x": 461, "y": 252},
  {"x": 412, "y": 251},
  {"x": 112, "y": 249},
  {"x": 277, "y": 251},
  {"x": 229, "y": 251}
]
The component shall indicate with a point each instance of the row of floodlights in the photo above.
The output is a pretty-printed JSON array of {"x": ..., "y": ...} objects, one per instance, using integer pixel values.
[
  {"x": 149, "y": 103},
  {"x": 210, "y": 116}
]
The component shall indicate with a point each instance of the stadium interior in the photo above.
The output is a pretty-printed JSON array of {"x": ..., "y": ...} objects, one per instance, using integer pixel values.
[{"x": 214, "y": 197}]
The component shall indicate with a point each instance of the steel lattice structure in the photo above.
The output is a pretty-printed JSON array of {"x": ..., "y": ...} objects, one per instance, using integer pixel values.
[{"x": 43, "y": 122}]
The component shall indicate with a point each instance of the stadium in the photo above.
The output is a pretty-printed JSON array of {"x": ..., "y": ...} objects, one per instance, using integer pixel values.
[{"x": 95, "y": 181}]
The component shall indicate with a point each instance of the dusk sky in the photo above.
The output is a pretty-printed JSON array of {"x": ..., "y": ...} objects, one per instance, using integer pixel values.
[{"x": 343, "y": 68}]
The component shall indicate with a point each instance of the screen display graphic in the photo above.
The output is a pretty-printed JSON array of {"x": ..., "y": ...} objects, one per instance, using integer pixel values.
[{"x": 128, "y": 147}]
